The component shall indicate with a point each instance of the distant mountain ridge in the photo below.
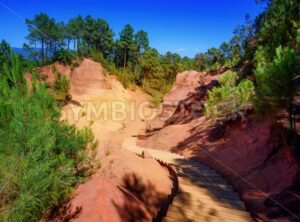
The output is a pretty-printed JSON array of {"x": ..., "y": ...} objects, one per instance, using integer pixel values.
[{"x": 23, "y": 52}]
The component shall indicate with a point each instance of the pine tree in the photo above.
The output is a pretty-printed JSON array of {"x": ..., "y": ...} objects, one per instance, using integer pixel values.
[
  {"x": 275, "y": 89},
  {"x": 41, "y": 158},
  {"x": 125, "y": 44}
]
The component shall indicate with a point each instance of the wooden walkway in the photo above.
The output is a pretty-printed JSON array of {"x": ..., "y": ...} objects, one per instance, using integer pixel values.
[{"x": 204, "y": 196}]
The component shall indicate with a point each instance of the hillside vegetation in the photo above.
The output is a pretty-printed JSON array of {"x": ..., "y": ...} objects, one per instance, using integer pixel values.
[
  {"x": 41, "y": 158},
  {"x": 270, "y": 47},
  {"x": 270, "y": 38},
  {"x": 230, "y": 98}
]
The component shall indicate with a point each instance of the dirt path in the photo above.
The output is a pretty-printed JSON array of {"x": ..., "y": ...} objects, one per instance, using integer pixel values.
[
  {"x": 125, "y": 187},
  {"x": 203, "y": 194}
]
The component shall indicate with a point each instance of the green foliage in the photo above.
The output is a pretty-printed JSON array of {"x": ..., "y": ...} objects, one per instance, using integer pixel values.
[
  {"x": 229, "y": 54},
  {"x": 85, "y": 34},
  {"x": 260, "y": 56},
  {"x": 61, "y": 87},
  {"x": 269, "y": 46},
  {"x": 200, "y": 61},
  {"x": 5, "y": 52},
  {"x": 44, "y": 31},
  {"x": 275, "y": 89},
  {"x": 63, "y": 56},
  {"x": 150, "y": 64},
  {"x": 134, "y": 62},
  {"x": 187, "y": 64},
  {"x": 125, "y": 76},
  {"x": 41, "y": 158},
  {"x": 129, "y": 57},
  {"x": 274, "y": 56},
  {"x": 6, "y": 59},
  {"x": 278, "y": 25},
  {"x": 229, "y": 98},
  {"x": 141, "y": 41},
  {"x": 228, "y": 79},
  {"x": 158, "y": 73},
  {"x": 130, "y": 47},
  {"x": 155, "y": 72},
  {"x": 170, "y": 63},
  {"x": 125, "y": 46},
  {"x": 99, "y": 35},
  {"x": 97, "y": 56}
]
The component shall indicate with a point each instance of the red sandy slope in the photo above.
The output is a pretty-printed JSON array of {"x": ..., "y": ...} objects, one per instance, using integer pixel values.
[
  {"x": 125, "y": 187},
  {"x": 253, "y": 156}
]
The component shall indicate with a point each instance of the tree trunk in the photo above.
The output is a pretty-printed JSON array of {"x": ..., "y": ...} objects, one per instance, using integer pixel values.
[
  {"x": 46, "y": 53},
  {"x": 35, "y": 50},
  {"x": 125, "y": 58},
  {"x": 291, "y": 116},
  {"x": 78, "y": 44},
  {"x": 42, "y": 53}
]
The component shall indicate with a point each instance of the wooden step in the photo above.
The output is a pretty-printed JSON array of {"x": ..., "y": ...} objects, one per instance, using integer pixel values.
[
  {"x": 177, "y": 212},
  {"x": 208, "y": 218},
  {"x": 209, "y": 186},
  {"x": 197, "y": 166},
  {"x": 196, "y": 176},
  {"x": 232, "y": 199},
  {"x": 206, "y": 183},
  {"x": 197, "y": 172},
  {"x": 219, "y": 208},
  {"x": 202, "y": 198},
  {"x": 211, "y": 197}
]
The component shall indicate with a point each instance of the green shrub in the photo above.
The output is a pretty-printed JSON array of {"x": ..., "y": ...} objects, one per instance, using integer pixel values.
[
  {"x": 41, "y": 158},
  {"x": 157, "y": 88},
  {"x": 228, "y": 79},
  {"x": 64, "y": 56},
  {"x": 229, "y": 99},
  {"x": 125, "y": 76},
  {"x": 61, "y": 87},
  {"x": 275, "y": 89},
  {"x": 97, "y": 56}
]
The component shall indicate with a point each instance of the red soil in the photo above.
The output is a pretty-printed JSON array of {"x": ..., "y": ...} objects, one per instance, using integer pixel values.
[
  {"x": 125, "y": 187},
  {"x": 185, "y": 100},
  {"x": 103, "y": 201},
  {"x": 253, "y": 156},
  {"x": 89, "y": 79},
  {"x": 46, "y": 74}
]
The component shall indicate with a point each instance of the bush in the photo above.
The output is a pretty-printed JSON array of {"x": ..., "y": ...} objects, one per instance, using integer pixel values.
[
  {"x": 228, "y": 79},
  {"x": 61, "y": 87},
  {"x": 41, "y": 158},
  {"x": 63, "y": 56},
  {"x": 275, "y": 89},
  {"x": 125, "y": 76},
  {"x": 97, "y": 56},
  {"x": 157, "y": 88},
  {"x": 229, "y": 99}
]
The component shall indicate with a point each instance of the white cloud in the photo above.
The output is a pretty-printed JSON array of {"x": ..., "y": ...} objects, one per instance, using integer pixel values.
[{"x": 181, "y": 49}]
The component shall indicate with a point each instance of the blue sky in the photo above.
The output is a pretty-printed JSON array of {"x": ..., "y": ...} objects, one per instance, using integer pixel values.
[{"x": 185, "y": 27}]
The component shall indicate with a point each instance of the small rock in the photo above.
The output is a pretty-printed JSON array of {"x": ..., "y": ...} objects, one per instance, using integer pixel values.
[{"x": 146, "y": 155}]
